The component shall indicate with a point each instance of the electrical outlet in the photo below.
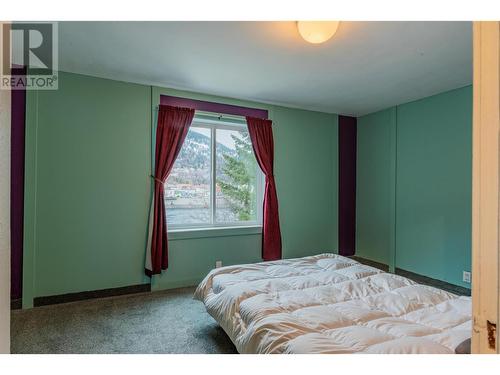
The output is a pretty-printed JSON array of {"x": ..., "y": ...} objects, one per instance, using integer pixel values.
[
  {"x": 218, "y": 263},
  {"x": 466, "y": 277}
]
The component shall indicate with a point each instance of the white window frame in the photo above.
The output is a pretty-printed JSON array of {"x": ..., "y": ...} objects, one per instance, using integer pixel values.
[{"x": 213, "y": 125}]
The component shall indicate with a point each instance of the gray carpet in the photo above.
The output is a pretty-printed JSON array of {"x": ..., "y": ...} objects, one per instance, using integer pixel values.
[{"x": 160, "y": 322}]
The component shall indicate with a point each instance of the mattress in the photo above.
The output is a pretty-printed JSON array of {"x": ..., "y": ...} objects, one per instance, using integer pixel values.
[{"x": 331, "y": 304}]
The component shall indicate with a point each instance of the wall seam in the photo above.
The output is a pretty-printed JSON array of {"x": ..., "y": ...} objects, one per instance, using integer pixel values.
[{"x": 394, "y": 249}]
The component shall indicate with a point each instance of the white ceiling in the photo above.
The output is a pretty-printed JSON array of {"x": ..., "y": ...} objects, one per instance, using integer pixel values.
[{"x": 365, "y": 67}]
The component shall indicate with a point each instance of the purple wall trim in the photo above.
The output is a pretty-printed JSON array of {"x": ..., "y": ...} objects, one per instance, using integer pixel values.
[
  {"x": 202, "y": 105},
  {"x": 347, "y": 185},
  {"x": 18, "y": 108}
]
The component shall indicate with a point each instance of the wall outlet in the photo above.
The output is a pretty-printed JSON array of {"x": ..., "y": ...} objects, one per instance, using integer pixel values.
[
  {"x": 218, "y": 263},
  {"x": 466, "y": 277}
]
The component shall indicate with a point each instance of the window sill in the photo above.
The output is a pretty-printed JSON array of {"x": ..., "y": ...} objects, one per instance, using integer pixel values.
[{"x": 189, "y": 233}]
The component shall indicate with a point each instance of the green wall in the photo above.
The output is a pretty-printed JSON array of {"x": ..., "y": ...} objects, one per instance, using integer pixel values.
[
  {"x": 306, "y": 166},
  {"x": 307, "y": 196},
  {"x": 375, "y": 186},
  {"x": 432, "y": 163},
  {"x": 88, "y": 161},
  {"x": 87, "y": 186},
  {"x": 434, "y": 186}
]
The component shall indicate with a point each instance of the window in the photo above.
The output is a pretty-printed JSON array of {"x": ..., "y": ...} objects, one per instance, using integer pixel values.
[{"x": 215, "y": 180}]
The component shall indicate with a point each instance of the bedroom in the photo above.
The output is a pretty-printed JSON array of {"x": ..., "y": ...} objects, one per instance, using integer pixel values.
[{"x": 312, "y": 197}]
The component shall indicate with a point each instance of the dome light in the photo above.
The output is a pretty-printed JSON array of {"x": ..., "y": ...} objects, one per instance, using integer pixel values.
[{"x": 317, "y": 32}]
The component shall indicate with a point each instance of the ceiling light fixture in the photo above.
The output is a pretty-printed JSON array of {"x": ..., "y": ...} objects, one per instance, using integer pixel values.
[{"x": 317, "y": 32}]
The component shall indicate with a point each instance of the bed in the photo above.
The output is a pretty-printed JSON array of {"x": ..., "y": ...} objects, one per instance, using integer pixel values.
[{"x": 332, "y": 304}]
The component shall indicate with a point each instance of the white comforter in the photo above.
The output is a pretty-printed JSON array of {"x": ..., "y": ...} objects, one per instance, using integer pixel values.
[{"x": 331, "y": 304}]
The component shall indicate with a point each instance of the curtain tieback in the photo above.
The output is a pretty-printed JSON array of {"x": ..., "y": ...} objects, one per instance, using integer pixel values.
[{"x": 157, "y": 179}]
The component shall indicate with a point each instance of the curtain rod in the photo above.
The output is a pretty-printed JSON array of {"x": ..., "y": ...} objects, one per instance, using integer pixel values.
[{"x": 214, "y": 114}]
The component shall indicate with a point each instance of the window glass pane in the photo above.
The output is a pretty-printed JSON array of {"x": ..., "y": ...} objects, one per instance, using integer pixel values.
[
  {"x": 236, "y": 177},
  {"x": 187, "y": 191}
]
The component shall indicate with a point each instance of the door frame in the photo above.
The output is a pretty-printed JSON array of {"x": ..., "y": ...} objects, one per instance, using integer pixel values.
[{"x": 485, "y": 187}]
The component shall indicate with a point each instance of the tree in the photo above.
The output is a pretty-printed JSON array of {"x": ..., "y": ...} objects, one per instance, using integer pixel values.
[{"x": 238, "y": 182}]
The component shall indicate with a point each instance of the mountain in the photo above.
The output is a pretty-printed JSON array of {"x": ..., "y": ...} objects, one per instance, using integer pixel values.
[
  {"x": 195, "y": 152},
  {"x": 193, "y": 163}
]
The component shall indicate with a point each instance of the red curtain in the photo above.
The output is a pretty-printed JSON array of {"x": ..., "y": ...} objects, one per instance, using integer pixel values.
[
  {"x": 173, "y": 125},
  {"x": 261, "y": 134}
]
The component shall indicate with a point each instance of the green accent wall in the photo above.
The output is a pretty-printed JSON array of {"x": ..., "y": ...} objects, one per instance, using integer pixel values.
[
  {"x": 88, "y": 162},
  {"x": 432, "y": 164}
]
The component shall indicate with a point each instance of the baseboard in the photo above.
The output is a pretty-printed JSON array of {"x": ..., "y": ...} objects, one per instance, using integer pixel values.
[
  {"x": 157, "y": 285},
  {"x": 371, "y": 263},
  {"x": 421, "y": 279},
  {"x": 16, "y": 304},
  {"x": 144, "y": 288},
  {"x": 80, "y": 296}
]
